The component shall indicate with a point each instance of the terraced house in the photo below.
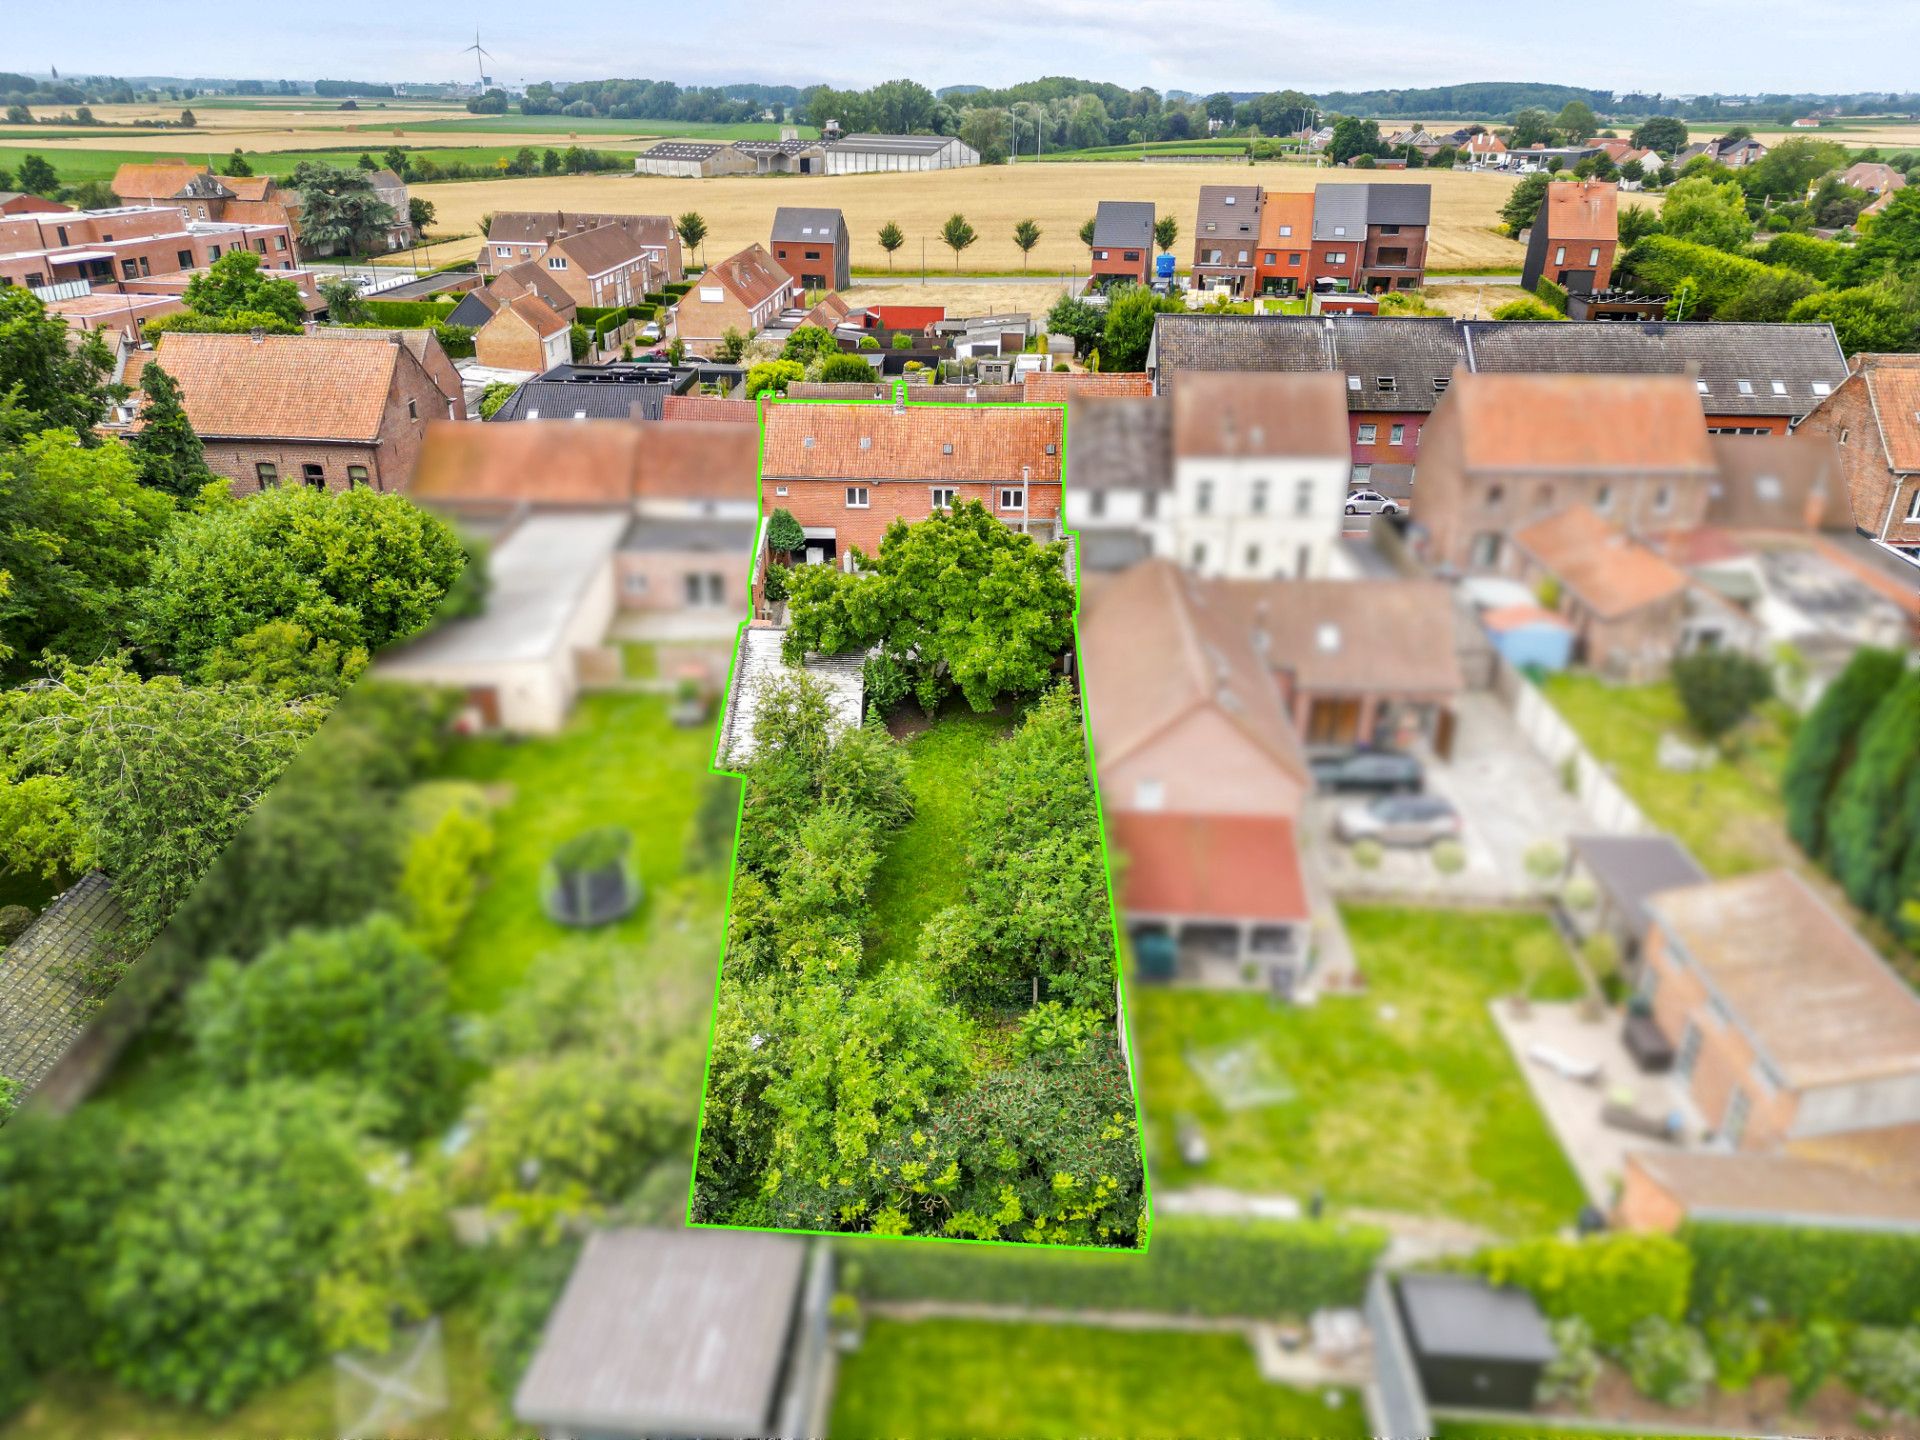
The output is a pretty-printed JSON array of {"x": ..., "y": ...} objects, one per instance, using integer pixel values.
[
  {"x": 598, "y": 259},
  {"x": 1360, "y": 237},
  {"x": 848, "y": 471}
]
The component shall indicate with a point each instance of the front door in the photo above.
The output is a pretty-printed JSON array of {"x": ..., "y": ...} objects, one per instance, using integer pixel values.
[
  {"x": 1333, "y": 722},
  {"x": 816, "y": 555}
]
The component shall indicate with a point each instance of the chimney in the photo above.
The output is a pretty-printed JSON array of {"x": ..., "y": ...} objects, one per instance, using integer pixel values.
[
  {"x": 258, "y": 335},
  {"x": 973, "y": 393},
  {"x": 393, "y": 337}
]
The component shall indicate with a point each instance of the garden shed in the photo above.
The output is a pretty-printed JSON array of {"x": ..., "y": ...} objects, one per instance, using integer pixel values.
[
  {"x": 1528, "y": 636},
  {"x": 1474, "y": 1344}
]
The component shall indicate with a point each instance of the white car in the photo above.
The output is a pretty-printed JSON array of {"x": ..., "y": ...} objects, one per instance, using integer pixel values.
[
  {"x": 649, "y": 332},
  {"x": 1371, "y": 502}
]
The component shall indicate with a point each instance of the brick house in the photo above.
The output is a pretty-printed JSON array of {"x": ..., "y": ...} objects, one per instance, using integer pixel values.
[
  {"x": 198, "y": 194},
  {"x": 1123, "y": 242},
  {"x": 1785, "y": 1023},
  {"x": 19, "y": 202},
  {"x": 1369, "y": 236},
  {"x": 526, "y": 277},
  {"x": 1504, "y": 451},
  {"x": 646, "y": 257},
  {"x": 1574, "y": 236},
  {"x": 743, "y": 292},
  {"x": 1626, "y": 603},
  {"x": 848, "y": 471},
  {"x": 276, "y": 410},
  {"x": 1872, "y": 419},
  {"x": 1285, "y": 242},
  {"x": 108, "y": 248},
  {"x": 524, "y": 334},
  {"x": 811, "y": 245},
  {"x": 1226, "y": 234}
]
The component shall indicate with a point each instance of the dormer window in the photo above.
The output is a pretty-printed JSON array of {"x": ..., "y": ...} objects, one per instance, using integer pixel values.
[
  {"x": 1383, "y": 383},
  {"x": 1440, "y": 384}
]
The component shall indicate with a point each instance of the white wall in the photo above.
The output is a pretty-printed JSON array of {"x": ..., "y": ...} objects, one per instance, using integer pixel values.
[{"x": 1218, "y": 524}]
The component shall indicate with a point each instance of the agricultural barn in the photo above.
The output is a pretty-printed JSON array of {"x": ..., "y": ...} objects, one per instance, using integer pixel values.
[
  {"x": 691, "y": 159},
  {"x": 859, "y": 154}
]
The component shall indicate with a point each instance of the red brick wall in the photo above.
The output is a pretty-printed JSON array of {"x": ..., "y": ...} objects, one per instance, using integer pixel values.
[
  {"x": 1140, "y": 268},
  {"x": 1319, "y": 265},
  {"x": 821, "y": 503},
  {"x": 507, "y": 342},
  {"x": 1644, "y": 1204},
  {"x": 236, "y": 460},
  {"x": 1383, "y": 451},
  {"x": 790, "y": 256},
  {"x": 1413, "y": 240},
  {"x": 1878, "y": 497}
]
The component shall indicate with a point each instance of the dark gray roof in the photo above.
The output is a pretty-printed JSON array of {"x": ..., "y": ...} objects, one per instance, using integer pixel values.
[
  {"x": 674, "y": 1332},
  {"x": 775, "y": 147},
  {"x": 681, "y": 150},
  {"x": 1629, "y": 868},
  {"x": 1107, "y": 550},
  {"x": 1123, "y": 224},
  {"x": 1340, "y": 212},
  {"x": 1723, "y": 354},
  {"x": 1230, "y": 209},
  {"x": 717, "y": 537},
  {"x": 1463, "y": 1316},
  {"x": 579, "y": 399},
  {"x": 1395, "y": 204},
  {"x": 807, "y": 222},
  {"x": 1401, "y": 363},
  {"x": 471, "y": 311},
  {"x": 1193, "y": 341},
  {"x": 1119, "y": 442},
  {"x": 42, "y": 999}
]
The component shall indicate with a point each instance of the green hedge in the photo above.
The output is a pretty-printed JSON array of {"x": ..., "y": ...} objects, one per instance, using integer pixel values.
[
  {"x": 1193, "y": 1266},
  {"x": 1659, "y": 263},
  {"x": 408, "y": 314},
  {"x": 678, "y": 288},
  {"x": 1866, "y": 1277},
  {"x": 1611, "y": 1281},
  {"x": 1551, "y": 292}
]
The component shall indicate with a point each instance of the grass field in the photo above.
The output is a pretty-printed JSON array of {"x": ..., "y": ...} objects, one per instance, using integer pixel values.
[
  {"x": 739, "y": 209},
  {"x": 920, "y": 871},
  {"x": 955, "y": 1377},
  {"x": 1404, "y": 1098},
  {"x": 75, "y": 167},
  {"x": 620, "y": 761}
]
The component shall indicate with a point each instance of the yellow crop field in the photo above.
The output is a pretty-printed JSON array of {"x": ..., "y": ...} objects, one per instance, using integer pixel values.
[{"x": 1060, "y": 197}]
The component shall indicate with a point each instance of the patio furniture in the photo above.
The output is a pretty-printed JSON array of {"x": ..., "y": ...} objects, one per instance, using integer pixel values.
[
  {"x": 1572, "y": 1067},
  {"x": 1646, "y": 1044},
  {"x": 1620, "y": 1115}
]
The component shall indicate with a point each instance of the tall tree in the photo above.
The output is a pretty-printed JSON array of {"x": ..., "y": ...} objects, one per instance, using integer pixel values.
[
  {"x": 1662, "y": 134},
  {"x": 1353, "y": 137},
  {"x": 1826, "y": 742},
  {"x": 1086, "y": 232},
  {"x": 692, "y": 229},
  {"x": 339, "y": 207},
  {"x": 1166, "y": 233},
  {"x": 1576, "y": 121},
  {"x": 1129, "y": 327},
  {"x": 956, "y": 234},
  {"x": 1026, "y": 235},
  {"x": 891, "y": 239},
  {"x": 1707, "y": 212},
  {"x": 235, "y": 285},
  {"x": 46, "y": 382},
  {"x": 165, "y": 448},
  {"x": 37, "y": 176},
  {"x": 236, "y": 165},
  {"x": 1531, "y": 126},
  {"x": 1873, "y": 823}
]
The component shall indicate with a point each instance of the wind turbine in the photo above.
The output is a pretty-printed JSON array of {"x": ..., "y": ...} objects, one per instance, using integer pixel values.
[{"x": 480, "y": 57}]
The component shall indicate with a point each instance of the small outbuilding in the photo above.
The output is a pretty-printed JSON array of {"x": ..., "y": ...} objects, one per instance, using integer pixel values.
[
  {"x": 1625, "y": 871},
  {"x": 1474, "y": 1344},
  {"x": 1529, "y": 637}
]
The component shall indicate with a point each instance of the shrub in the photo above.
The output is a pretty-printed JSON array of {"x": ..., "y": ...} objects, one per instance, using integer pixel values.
[
  {"x": 1884, "y": 1366},
  {"x": 846, "y": 369},
  {"x": 1813, "y": 1352},
  {"x": 901, "y": 340},
  {"x": 406, "y": 314},
  {"x": 773, "y": 583},
  {"x": 1738, "y": 1350},
  {"x": 1526, "y": 308},
  {"x": 1822, "y": 259},
  {"x": 1055, "y": 1031},
  {"x": 1610, "y": 1281},
  {"x": 1824, "y": 744},
  {"x": 441, "y": 876},
  {"x": 1668, "y": 1362},
  {"x": 869, "y": 342},
  {"x": 1660, "y": 263},
  {"x": 1720, "y": 688},
  {"x": 1570, "y": 1376},
  {"x": 1194, "y": 1266},
  {"x": 497, "y": 393},
  {"x": 1368, "y": 854},
  {"x": 784, "y": 533},
  {"x": 1802, "y": 1273},
  {"x": 1545, "y": 860},
  {"x": 1449, "y": 857},
  {"x": 1552, "y": 294}
]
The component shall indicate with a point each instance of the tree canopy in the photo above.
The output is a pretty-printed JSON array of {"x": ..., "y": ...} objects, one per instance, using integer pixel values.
[
  {"x": 46, "y": 383},
  {"x": 235, "y": 285}
]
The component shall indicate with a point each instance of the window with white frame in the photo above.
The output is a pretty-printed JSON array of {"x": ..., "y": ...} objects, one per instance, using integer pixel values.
[
  {"x": 1366, "y": 435},
  {"x": 1913, "y": 506},
  {"x": 856, "y": 497},
  {"x": 1013, "y": 498},
  {"x": 1397, "y": 435},
  {"x": 1593, "y": 256},
  {"x": 1559, "y": 254},
  {"x": 556, "y": 262},
  {"x": 1302, "y": 497},
  {"x": 944, "y": 496}
]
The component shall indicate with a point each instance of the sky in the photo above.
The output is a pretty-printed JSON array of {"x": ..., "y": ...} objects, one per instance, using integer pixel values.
[{"x": 1673, "y": 46}]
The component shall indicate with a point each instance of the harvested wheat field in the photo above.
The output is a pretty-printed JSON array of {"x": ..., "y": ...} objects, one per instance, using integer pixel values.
[
  {"x": 739, "y": 210},
  {"x": 961, "y": 297}
]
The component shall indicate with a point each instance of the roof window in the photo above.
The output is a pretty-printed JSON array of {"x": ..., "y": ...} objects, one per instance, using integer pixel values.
[
  {"x": 1745, "y": 387},
  {"x": 1384, "y": 383},
  {"x": 1353, "y": 382}
]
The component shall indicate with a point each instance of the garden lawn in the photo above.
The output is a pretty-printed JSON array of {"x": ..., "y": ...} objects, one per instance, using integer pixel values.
[
  {"x": 922, "y": 870},
  {"x": 620, "y": 761},
  {"x": 1532, "y": 1430},
  {"x": 1729, "y": 816},
  {"x": 1405, "y": 1098},
  {"x": 958, "y": 1377}
]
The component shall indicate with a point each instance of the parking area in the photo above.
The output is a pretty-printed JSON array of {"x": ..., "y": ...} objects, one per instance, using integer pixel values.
[{"x": 1510, "y": 800}]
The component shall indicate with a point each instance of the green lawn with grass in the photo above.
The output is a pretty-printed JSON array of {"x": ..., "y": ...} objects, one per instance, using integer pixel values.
[
  {"x": 1404, "y": 1098},
  {"x": 589, "y": 128},
  {"x": 957, "y": 1377},
  {"x": 620, "y": 761},
  {"x": 923, "y": 868},
  {"x": 1729, "y": 815},
  {"x": 1533, "y": 1430},
  {"x": 76, "y": 167}
]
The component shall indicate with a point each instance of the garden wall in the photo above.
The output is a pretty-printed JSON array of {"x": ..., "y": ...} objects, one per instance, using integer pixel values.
[{"x": 1555, "y": 741}]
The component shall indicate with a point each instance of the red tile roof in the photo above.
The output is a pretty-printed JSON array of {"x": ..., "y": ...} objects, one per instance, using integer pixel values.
[
  {"x": 707, "y": 407},
  {"x": 1254, "y": 413},
  {"x": 750, "y": 276},
  {"x": 880, "y": 442},
  {"x": 1611, "y": 574},
  {"x": 1211, "y": 867},
  {"x": 281, "y": 386},
  {"x": 535, "y": 312},
  {"x": 1050, "y": 388},
  {"x": 1580, "y": 423},
  {"x": 585, "y": 462},
  {"x": 1582, "y": 210},
  {"x": 1893, "y": 384}
]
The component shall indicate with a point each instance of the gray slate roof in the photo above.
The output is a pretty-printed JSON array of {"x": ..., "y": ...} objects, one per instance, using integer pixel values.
[
  {"x": 564, "y": 400},
  {"x": 1464, "y": 1316},
  {"x": 1340, "y": 212},
  {"x": 667, "y": 1332},
  {"x": 1119, "y": 442},
  {"x": 807, "y": 222},
  {"x": 681, "y": 150},
  {"x": 42, "y": 1001},
  {"x": 1629, "y": 868},
  {"x": 717, "y": 537},
  {"x": 1123, "y": 224}
]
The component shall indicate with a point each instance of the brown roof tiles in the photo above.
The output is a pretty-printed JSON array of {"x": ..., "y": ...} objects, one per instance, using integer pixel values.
[
  {"x": 1611, "y": 574},
  {"x": 913, "y": 443},
  {"x": 315, "y": 387}
]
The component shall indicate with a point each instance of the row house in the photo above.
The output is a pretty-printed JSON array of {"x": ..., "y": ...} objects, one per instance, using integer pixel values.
[
  {"x": 811, "y": 244},
  {"x": 1123, "y": 242},
  {"x": 1342, "y": 237},
  {"x": 199, "y": 194},
  {"x": 1285, "y": 242},
  {"x": 1370, "y": 237},
  {"x": 1226, "y": 232},
  {"x": 527, "y": 277},
  {"x": 317, "y": 410},
  {"x": 743, "y": 293},
  {"x": 72, "y": 252},
  {"x": 1573, "y": 238},
  {"x": 1872, "y": 418},
  {"x": 848, "y": 471},
  {"x": 524, "y": 334},
  {"x": 1236, "y": 476},
  {"x": 643, "y": 257}
]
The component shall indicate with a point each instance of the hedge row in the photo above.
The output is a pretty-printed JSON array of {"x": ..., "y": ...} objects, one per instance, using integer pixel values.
[
  {"x": 1193, "y": 1266},
  {"x": 1659, "y": 263},
  {"x": 1866, "y": 1277},
  {"x": 409, "y": 314},
  {"x": 1551, "y": 292},
  {"x": 678, "y": 288}
]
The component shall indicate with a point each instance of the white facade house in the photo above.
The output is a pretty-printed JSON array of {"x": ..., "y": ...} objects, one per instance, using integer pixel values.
[{"x": 1256, "y": 517}]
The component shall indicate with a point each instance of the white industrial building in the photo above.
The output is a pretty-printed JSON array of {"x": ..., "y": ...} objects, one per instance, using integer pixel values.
[{"x": 833, "y": 154}]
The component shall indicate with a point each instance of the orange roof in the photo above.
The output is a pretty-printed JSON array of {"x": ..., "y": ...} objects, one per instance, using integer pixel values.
[
  {"x": 584, "y": 462},
  {"x": 913, "y": 443},
  {"x": 248, "y": 187},
  {"x": 1503, "y": 618},
  {"x": 288, "y": 387},
  {"x": 1051, "y": 388},
  {"x": 535, "y": 312},
  {"x": 1582, "y": 210},
  {"x": 692, "y": 460},
  {"x": 749, "y": 276},
  {"x": 708, "y": 407},
  {"x": 156, "y": 180},
  {"x": 1254, "y": 413},
  {"x": 1289, "y": 208},
  {"x": 1609, "y": 573},
  {"x": 1893, "y": 384},
  {"x": 1211, "y": 867},
  {"x": 1580, "y": 423}
]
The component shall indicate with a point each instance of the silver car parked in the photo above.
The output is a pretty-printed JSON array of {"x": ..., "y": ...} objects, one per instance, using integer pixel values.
[
  {"x": 1371, "y": 502},
  {"x": 1398, "y": 820}
]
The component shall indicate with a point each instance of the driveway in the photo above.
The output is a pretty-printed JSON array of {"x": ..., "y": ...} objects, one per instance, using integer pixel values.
[{"x": 1509, "y": 800}]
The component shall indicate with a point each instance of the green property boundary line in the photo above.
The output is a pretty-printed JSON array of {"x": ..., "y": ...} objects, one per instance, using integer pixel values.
[{"x": 902, "y": 394}]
